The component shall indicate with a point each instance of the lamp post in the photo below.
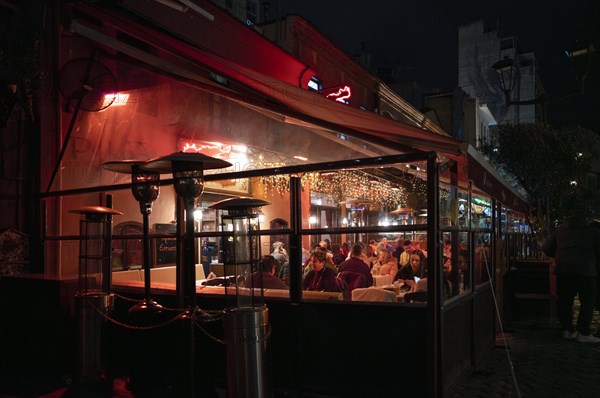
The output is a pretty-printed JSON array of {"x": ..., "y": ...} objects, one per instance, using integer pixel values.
[
  {"x": 246, "y": 324},
  {"x": 145, "y": 189},
  {"x": 580, "y": 58},
  {"x": 507, "y": 74}
]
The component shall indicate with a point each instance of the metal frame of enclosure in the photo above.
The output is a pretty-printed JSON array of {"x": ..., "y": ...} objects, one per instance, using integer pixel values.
[{"x": 434, "y": 345}]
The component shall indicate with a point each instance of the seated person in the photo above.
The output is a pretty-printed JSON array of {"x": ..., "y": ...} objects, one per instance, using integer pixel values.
[
  {"x": 404, "y": 258},
  {"x": 338, "y": 256},
  {"x": 464, "y": 272},
  {"x": 356, "y": 264},
  {"x": 386, "y": 263},
  {"x": 416, "y": 267},
  {"x": 419, "y": 294},
  {"x": 399, "y": 249},
  {"x": 280, "y": 255},
  {"x": 320, "y": 278},
  {"x": 265, "y": 277}
]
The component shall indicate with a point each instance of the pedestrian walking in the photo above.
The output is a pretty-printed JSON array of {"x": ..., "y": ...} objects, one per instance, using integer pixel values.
[{"x": 575, "y": 247}]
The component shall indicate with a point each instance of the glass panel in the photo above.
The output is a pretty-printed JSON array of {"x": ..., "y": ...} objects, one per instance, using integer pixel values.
[
  {"x": 241, "y": 259},
  {"x": 464, "y": 263},
  {"x": 448, "y": 196},
  {"x": 503, "y": 224},
  {"x": 483, "y": 257},
  {"x": 456, "y": 263},
  {"x": 92, "y": 252},
  {"x": 463, "y": 209},
  {"x": 162, "y": 116},
  {"x": 481, "y": 212}
]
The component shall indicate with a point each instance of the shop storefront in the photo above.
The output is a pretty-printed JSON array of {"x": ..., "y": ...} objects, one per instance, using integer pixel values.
[{"x": 327, "y": 171}]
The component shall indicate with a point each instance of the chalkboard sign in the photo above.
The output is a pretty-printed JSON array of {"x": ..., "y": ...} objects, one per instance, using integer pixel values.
[{"x": 165, "y": 249}]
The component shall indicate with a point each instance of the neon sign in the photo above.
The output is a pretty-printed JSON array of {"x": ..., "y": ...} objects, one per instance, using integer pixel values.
[
  {"x": 231, "y": 152},
  {"x": 342, "y": 95}
]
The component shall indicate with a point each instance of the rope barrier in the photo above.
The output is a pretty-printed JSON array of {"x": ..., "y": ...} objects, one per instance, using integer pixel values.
[
  {"x": 198, "y": 317},
  {"x": 134, "y": 327}
]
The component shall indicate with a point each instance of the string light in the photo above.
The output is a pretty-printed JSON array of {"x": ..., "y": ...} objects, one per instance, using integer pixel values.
[{"x": 343, "y": 184}]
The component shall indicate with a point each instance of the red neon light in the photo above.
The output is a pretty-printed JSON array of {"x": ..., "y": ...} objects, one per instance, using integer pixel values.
[
  {"x": 191, "y": 148},
  {"x": 341, "y": 95}
]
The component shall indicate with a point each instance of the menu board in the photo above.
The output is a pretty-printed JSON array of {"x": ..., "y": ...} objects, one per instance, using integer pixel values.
[{"x": 165, "y": 249}]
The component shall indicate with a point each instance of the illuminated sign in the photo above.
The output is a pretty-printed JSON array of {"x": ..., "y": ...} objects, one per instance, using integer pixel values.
[
  {"x": 342, "y": 95},
  {"x": 235, "y": 154}
]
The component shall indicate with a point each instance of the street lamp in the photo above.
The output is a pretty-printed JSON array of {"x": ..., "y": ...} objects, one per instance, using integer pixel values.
[
  {"x": 506, "y": 72},
  {"x": 581, "y": 59}
]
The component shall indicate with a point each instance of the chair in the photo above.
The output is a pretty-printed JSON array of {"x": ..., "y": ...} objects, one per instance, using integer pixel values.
[
  {"x": 416, "y": 297},
  {"x": 373, "y": 294},
  {"x": 125, "y": 276},
  {"x": 200, "y": 272},
  {"x": 352, "y": 280},
  {"x": 161, "y": 275}
]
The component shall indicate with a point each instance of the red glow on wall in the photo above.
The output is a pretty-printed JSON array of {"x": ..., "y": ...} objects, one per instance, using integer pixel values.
[{"x": 342, "y": 95}]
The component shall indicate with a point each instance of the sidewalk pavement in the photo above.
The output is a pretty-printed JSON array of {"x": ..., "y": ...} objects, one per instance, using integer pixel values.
[{"x": 545, "y": 365}]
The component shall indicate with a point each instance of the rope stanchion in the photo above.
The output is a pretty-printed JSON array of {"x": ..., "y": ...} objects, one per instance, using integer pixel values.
[
  {"x": 133, "y": 327},
  {"x": 199, "y": 316}
]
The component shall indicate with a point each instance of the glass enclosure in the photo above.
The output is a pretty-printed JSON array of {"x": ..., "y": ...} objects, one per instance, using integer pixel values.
[{"x": 349, "y": 191}]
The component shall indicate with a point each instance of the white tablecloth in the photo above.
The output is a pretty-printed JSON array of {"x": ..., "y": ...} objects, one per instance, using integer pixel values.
[{"x": 382, "y": 280}]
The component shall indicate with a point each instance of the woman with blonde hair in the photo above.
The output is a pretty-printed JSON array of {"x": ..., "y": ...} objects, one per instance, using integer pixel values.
[{"x": 386, "y": 263}]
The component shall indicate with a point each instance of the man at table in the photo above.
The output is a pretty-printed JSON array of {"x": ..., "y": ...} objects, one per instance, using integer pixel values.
[
  {"x": 265, "y": 277},
  {"x": 356, "y": 264}
]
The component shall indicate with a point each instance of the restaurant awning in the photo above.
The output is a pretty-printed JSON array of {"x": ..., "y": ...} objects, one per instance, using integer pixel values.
[{"x": 292, "y": 103}]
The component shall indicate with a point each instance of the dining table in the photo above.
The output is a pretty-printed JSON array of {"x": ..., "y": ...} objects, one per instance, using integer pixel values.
[{"x": 382, "y": 280}]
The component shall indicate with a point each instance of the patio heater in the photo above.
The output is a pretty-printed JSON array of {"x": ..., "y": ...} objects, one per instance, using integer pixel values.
[
  {"x": 246, "y": 322},
  {"x": 188, "y": 181},
  {"x": 93, "y": 299},
  {"x": 145, "y": 189}
]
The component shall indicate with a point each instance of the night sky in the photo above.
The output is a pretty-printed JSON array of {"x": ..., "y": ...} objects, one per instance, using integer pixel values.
[{"x": 418, "y": 38}]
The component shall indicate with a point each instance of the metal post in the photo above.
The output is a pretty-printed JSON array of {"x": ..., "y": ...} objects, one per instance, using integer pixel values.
[
  {"x": 434, "y": 282},
  {"x": 246, "y": 336}
]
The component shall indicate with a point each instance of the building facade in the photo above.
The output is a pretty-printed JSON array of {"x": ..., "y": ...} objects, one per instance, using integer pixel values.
[
  {"x": 465, "y": 118},
  {"x": 479, "y": 48}
]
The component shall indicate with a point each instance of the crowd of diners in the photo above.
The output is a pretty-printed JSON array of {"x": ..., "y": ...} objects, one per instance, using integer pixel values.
[{"x": 331, "y": 267}]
